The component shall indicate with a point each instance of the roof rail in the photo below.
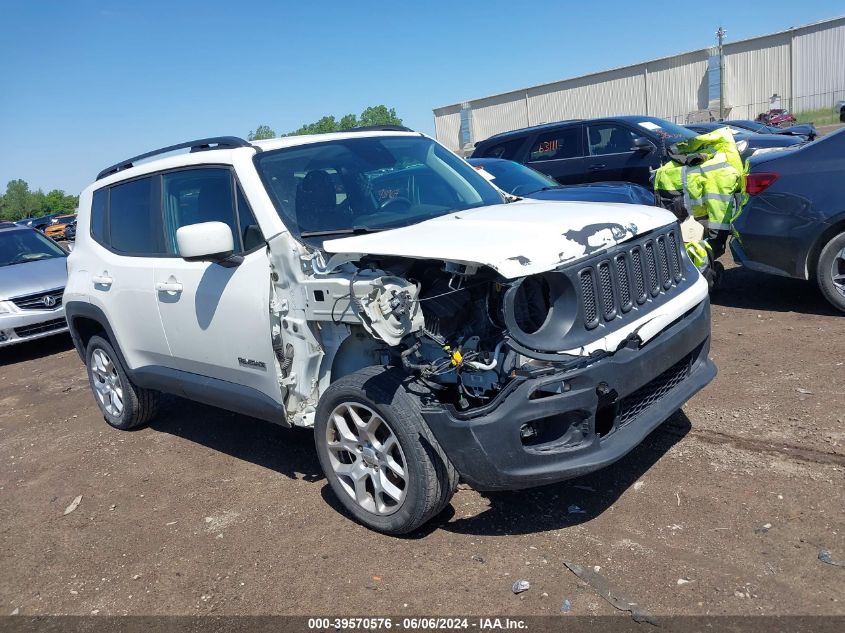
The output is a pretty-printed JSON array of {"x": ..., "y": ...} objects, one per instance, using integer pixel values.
[
  {"x": 378, "y": 128},
  {"x": 200, "y": 145}
]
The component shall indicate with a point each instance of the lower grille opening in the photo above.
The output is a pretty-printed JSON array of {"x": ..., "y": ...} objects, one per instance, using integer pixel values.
[
  {"x": 635, "y": 404},
  {"x": 40, "y": 328}
]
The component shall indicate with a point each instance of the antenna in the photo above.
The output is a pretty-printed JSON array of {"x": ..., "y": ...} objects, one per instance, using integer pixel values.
[{"x": 720, "y": 37}]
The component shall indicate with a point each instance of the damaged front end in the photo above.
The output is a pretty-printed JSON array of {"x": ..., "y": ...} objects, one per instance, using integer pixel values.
[{"x": 467, "y": 331}]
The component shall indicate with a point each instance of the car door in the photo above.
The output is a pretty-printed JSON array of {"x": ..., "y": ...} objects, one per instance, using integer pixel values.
[
  {"x": 613, "y": 157},
  {"x": 126, "y": 231},
  {"x": 216, "y": 317},
  {"x": 559, "y": 153}
]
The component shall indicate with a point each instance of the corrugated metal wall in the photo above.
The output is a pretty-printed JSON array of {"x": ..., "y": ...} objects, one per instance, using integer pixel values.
[
  {"x": 447, "y": 126},
  {"x": 677, "y": 85},
  {"x": 754, "y": 71},
  {"x": 609, "y": 92},
  {"x": 805, "y": 66},
  {"x": 819, "y": 65}
]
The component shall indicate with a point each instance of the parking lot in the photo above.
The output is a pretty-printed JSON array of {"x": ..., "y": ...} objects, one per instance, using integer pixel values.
[{"x": 722, "y": 510}]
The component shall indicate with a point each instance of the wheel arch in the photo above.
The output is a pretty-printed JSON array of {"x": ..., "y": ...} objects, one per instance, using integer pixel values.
[
  {"x": 836, "y": 226},
  {"x": 86, "y": 321}
]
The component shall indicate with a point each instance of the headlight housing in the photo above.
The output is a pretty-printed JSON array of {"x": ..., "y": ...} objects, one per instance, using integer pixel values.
[{"x": 6, "y": 307}]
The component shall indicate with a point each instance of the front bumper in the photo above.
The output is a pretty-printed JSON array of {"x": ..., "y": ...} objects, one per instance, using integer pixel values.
[
  {"x": 28, "y": 325},
  {"x": 585, "y": 418}
]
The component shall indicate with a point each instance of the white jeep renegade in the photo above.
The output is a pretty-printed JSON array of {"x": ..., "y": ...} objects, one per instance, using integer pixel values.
[{"x": 372, "y": 285}]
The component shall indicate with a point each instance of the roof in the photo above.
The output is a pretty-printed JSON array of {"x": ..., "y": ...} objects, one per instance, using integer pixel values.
[
  {"x": 629, "y": 118},
  {"x": 166, "y": 158},
  {"x": 306, "y": 139}
]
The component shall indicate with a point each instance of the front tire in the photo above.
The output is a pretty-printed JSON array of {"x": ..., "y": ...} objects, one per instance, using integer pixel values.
[
  {"x": 830, "y": 271},
  {"x": 123, "y": 404},
  {"x": 380, "y": 458}
]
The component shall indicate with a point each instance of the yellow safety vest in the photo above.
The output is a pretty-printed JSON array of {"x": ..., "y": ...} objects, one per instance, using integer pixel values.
[{"x": 709, "y": 173}]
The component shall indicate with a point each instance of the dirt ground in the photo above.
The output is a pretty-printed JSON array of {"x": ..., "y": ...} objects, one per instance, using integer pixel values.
[{"x": 722, "y": 510}]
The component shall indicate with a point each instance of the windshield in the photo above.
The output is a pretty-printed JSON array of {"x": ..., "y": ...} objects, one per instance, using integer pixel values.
[
  {"x": 17, "y": 247},
  {"x": 368, "y": 184},
  {"x": 669, "y": 133},
  {"x": 515, "y": 178}
]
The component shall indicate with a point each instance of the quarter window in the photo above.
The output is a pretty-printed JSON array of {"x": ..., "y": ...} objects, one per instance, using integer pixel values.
[
  {"x": 563, "y": 143},
  {"x": 98, "y": 216},
  {"x": 251, "y": 234},
  {"x": 134, "y": 218}
]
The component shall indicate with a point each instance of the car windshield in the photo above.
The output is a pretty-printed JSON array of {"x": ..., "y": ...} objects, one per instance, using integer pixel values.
[
  {"x": 668, "y": 132},
  {"x": 366, "y": 184},
  {"x": 18, "y": 247},
  {"x": 515, "y": 178}
]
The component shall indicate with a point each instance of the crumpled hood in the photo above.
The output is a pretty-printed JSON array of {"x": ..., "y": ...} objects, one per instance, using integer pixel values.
[
  {"x": 32, "y": 277},
  {"x": 516, "y": 239}
]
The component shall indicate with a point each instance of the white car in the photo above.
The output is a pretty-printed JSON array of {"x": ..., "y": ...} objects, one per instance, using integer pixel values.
[
  {"x": 32, "y": 279},
  {"x": 372, "y": 285}
]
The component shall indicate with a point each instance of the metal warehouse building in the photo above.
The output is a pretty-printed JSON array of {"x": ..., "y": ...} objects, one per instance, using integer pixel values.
[{"x": 802, "y": 68}]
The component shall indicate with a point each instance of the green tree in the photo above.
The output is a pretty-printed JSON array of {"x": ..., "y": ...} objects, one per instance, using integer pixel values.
[
  {"x": 38, "y": 204},
  {"x": 379, "y": 115},
  {"x": 261, "y": 132},
  {"x": 374, "y": 115},
  {"x": 18, "y": 200},
  {"x": 347, "y": 122}
]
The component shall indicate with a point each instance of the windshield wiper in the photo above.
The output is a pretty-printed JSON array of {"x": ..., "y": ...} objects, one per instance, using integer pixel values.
[
  {"x": 355, "y": 230},
  {"x": 546, "y": 188}
]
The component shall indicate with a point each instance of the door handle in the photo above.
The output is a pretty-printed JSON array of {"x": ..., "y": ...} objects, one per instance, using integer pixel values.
[
  {"x": 163, "y": 286},
  {"x": 597, "y": 167},
  {"x": 102, "y": 280}
]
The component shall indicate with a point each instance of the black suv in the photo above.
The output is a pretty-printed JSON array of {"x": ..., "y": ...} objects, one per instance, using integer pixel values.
[{"x": 616, "y": 148}]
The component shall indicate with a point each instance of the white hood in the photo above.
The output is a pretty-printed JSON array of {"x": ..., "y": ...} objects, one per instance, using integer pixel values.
[{"x": 516, "y": 239}]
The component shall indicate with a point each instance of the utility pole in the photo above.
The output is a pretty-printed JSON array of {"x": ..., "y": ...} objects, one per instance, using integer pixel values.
[{"x": 720, "y": 36}]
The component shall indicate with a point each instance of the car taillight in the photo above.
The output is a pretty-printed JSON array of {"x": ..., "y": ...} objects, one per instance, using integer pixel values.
[{"x": 757, "y": 183}]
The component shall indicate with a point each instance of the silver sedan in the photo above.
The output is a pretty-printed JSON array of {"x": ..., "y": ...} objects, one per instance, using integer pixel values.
[{"x": 33, "y": 273}]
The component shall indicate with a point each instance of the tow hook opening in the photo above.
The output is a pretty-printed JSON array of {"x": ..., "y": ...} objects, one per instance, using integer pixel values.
[{"x": 607, "y": 409}]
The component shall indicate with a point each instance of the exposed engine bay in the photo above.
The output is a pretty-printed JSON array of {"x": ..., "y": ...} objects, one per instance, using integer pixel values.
[{"x": 441, "y": 321}]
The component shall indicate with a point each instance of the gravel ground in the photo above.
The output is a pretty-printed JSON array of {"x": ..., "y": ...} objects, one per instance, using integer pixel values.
[{"x": 722, "y": 510}]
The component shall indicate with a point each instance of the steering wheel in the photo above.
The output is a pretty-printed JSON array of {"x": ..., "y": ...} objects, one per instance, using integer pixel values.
[{"x": 391, "y": 201}]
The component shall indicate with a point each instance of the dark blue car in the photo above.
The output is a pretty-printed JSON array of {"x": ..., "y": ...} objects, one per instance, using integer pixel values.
[
  {"x": 748, "y": 142},
  {"x": 794, "y": 222},
  {"x": 519, "y": 180}
]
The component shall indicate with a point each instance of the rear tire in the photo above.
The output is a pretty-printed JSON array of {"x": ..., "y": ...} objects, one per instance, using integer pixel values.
[
  {"x": 830, "y": 272},
  {"x": 123, "y": 404},
  {"x": 380, "y": 458}
]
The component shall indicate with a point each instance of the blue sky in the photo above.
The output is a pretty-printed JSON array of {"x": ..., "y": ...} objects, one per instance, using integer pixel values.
[{"x": 86, "y": 83}]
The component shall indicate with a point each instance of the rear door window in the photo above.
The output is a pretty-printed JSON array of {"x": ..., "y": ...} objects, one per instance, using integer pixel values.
[
  {"x": 561, "y": 143},
  {"x": 134, "y": 218}
]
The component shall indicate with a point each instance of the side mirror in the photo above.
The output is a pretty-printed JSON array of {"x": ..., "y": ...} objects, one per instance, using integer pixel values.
[
  {"x": 207, "y": 241},
  {"x": 641, "y": 144}
]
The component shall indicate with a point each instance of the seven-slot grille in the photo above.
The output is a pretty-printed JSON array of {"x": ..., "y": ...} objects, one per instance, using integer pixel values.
[
  {"x": 642, "y": 270},
  {"x": 50, "y": 300}
]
